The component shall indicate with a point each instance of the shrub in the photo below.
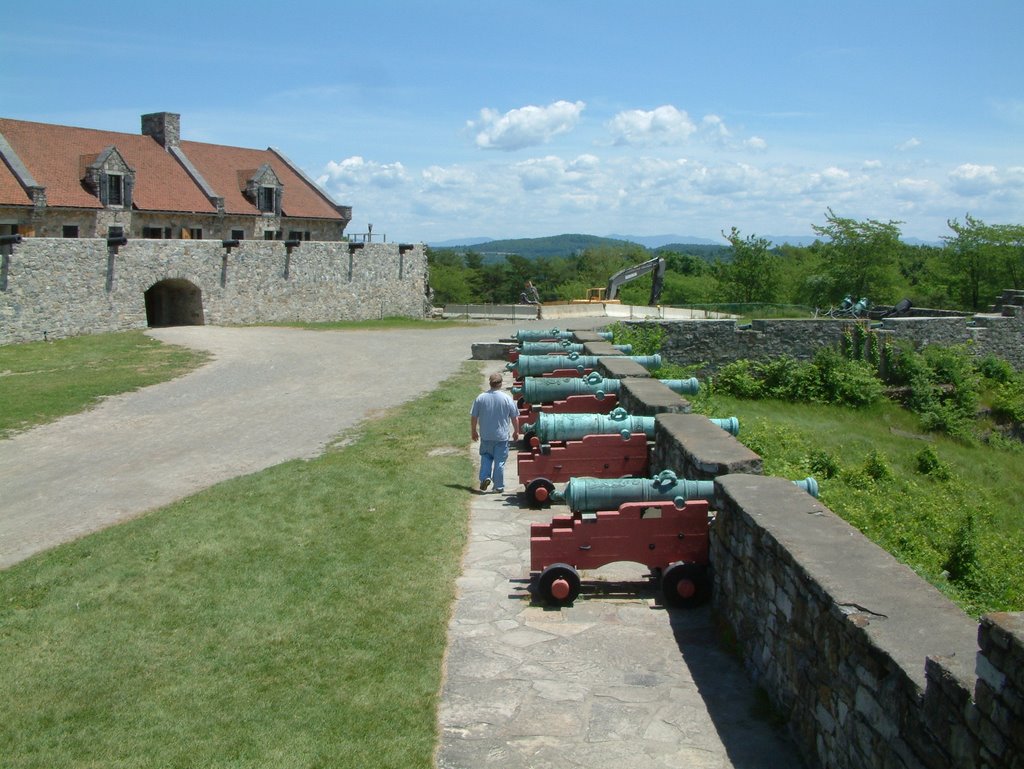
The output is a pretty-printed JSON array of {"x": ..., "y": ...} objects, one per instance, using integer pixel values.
[
  {"x": 1008, "y": 402},
  {"x": 739, "y": 379},
  {"x": 646, "y": 338},
  {"x": 928, "y": 463},
  {"x": 996, "y": 369},
  {"x": 847, "y": 382}
]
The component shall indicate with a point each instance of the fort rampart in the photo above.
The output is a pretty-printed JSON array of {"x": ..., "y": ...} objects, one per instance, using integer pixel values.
[{"x": 55, "y": 287}]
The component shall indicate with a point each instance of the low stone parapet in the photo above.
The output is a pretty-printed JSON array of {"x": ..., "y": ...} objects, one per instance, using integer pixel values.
[
  {"x": 696, "y": 448},
  {"x": 646, "y": 397}
]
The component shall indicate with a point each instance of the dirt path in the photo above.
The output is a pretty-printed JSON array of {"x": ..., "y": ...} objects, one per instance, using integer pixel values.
[{"x": 268, "y": 396}]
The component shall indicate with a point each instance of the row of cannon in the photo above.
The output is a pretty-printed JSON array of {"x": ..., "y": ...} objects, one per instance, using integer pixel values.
[{"x": 576, "y": 434}]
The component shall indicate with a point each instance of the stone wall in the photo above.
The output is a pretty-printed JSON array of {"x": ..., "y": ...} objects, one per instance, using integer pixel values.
[
  {"x": 53, "y": 287},
  {"x": 871, "y": 666},
  {"x": 715, "y": 343}
]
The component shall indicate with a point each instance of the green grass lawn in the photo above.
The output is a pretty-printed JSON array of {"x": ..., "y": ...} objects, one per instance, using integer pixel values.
[
  {"x": 953, "y": 512},
  {"x": 293, "y": 618},
  {"x": 42, "y": 381}
]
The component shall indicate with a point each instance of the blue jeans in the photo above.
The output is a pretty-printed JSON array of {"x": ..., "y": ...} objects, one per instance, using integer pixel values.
[{"x": 492, "y": 462}]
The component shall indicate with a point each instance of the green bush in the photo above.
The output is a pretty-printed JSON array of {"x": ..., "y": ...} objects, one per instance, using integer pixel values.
[
  {"x": 645, "y": 338},
  {"x": 1008, "y": 401},
  {"x": 829, "y": 379},
  {"x": 996, "y": 369},
  {"x": 928, "y": 463},
  {"x": 739, "y": 379}
]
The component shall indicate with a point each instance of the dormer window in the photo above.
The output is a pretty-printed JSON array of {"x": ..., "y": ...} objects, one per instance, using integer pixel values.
[
  {"x": 263, "y": 188},
  {"x": 115, "y": 190},
  {"x": 267, "y": 200},
  {"x": 109, "y": 177}
]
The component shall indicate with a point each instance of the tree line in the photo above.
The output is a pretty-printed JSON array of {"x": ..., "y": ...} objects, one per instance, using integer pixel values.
[{"x": 864, "y": 258}]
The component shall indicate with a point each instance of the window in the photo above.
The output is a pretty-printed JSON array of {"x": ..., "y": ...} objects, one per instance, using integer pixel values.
[
  {"x": 153, "y": 233},
  {"x": 115, "y": 232},
  {"x": 70, "y": 231},
  {"x": 238, "y": 234},
  {"x": 196, "y": 233},
  {"x": 270, "y": 234},
  {"x": 115, "y": 190},
  {"x": 298, "y": 235},
  {"x": 266, "y": 199}
]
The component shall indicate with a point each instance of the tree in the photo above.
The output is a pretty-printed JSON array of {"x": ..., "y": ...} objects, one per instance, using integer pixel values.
[
  {"x": 860, "y": 258},
  {"x": 752, "y": 274}
]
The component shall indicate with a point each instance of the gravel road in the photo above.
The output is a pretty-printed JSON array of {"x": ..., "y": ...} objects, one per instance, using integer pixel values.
[{"x": 269, "y": 395}]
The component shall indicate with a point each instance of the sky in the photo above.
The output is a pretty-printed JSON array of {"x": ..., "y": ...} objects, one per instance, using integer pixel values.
[{"x": 449, "y": 120}]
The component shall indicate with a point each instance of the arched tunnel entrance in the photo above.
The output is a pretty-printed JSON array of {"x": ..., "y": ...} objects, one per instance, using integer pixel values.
[{"x": 174, "y": 302}]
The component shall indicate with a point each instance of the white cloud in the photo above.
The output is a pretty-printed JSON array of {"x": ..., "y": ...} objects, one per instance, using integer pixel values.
[
  {"x": 664, "y": 125},
  {"x": 355, "y": 171},
  {"x": 915, "y": 189},
  {"x": 552, "y": 171},
  {"x": 831, "y": 179},
  {"x": 970, "y": 179},
  {"x": 909, "y": 144},
  {"x": 441, "y": 178},
  {"x": 525, "y": 127}
]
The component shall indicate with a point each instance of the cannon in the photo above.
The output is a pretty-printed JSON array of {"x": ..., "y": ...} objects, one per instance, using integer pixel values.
[
  {"x": 671, "y": 538},
  {"x": 584, "y": 494},
  {"x": 563, "y": 347},
  {"x": 535, "y": 335},
  {"x": 568, "y": 427},
  {"x": 599, "y": 456},
  {"x": 549, "y": 389},
  {"x": 534, "y": 365}
]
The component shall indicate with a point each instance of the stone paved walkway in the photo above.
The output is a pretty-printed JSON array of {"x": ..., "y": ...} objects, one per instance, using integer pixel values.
[{"x": 614, "y": 681}]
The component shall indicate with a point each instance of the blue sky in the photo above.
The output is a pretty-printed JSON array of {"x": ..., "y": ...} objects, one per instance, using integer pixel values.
[{"x": 448, "y": 120}]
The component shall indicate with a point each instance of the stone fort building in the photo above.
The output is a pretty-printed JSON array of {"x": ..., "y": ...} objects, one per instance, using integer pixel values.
[{"x": 102, "y": 231}]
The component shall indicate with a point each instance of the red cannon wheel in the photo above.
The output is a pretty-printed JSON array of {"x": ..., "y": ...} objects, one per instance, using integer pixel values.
[
  {"x": 685, "y": 585},
  {"x": 559, "y": 584},
  {"x": 538, "y": 492}
]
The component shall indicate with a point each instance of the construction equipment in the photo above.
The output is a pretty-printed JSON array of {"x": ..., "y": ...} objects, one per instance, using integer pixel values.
[
  {"x": 670, "y": 538},
  {"x": 610, "y": 293}
]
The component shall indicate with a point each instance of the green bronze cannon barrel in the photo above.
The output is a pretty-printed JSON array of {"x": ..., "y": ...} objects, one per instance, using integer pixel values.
[
  {"x": 587, "y": 495},
  {"x": 550, "y": 389},
  {"x": 535, "y": 365},
  {"x": 573, "y": 427},
  {"x": 535, "y": 335},
  {"x": 546, "y": 348}
]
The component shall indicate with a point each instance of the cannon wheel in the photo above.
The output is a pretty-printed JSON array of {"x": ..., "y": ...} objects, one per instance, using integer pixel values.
[
  {"x": 685, "y": 585},
  {"x": 559, "y": 584},
  {"x": 538, "y": 492}
]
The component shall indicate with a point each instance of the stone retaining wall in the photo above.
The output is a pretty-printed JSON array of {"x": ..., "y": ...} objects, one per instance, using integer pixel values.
[
  {"x": 54, "y": 287},
  {"x": 715, "y": 343}
]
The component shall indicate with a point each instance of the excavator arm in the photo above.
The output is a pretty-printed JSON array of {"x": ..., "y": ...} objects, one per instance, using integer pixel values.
[{"x": 656, "y": 265}]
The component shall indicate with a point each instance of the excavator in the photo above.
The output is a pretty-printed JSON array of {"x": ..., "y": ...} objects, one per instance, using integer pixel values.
[{"x": 609, "y": 294}]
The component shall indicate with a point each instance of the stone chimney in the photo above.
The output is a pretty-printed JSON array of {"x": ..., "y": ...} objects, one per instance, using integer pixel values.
[{"x": 165, "y": 127}]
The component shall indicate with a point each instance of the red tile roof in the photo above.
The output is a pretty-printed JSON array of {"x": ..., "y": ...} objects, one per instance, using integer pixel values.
[
  {"x": 58, "y": 155},
  {"x": 227, "y": 169}
]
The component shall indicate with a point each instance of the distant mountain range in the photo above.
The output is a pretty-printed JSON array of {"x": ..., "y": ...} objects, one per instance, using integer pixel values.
[{"x": 562, "y": 245}]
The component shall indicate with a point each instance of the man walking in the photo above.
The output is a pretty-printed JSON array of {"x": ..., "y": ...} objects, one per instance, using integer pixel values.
[{"x": 492, "y": 421}]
